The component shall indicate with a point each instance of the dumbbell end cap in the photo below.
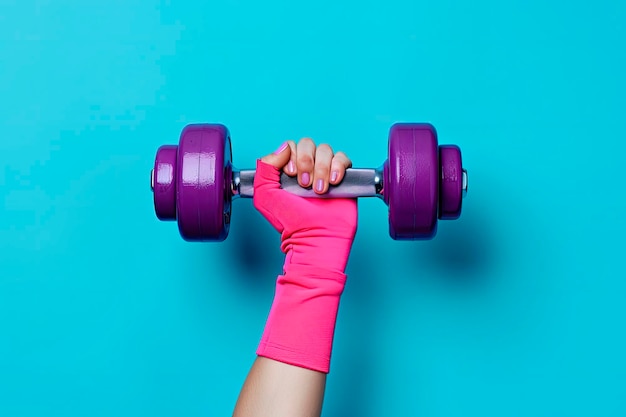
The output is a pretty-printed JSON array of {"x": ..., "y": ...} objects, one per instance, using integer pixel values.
[
  {"x": 465, "y": 182},
  {"x": 163, "y": 182}
]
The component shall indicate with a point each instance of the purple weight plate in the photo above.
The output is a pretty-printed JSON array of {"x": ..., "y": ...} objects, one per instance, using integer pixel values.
[
  {"x": 163, "y": 182},
  {"x": 450, "y": 182},
  {"x": 411, "y": 181},
  {"x": 204, "y": 164}
]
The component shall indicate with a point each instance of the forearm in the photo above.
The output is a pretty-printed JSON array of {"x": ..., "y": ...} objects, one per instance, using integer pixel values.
[
  {"x": 289, "y": 376},
  {"x": 276, "y": 389}
]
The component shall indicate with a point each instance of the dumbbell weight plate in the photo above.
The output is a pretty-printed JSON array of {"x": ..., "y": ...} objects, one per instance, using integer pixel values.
[
  {"x": 204, "y": 168},
  {"x": 411, "y": 181},
  {"x": 163, "y": 182},
  {"x": 450, "y": 182}
]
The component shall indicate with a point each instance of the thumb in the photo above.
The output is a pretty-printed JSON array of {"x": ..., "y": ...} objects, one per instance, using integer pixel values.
[{"x": 280, "y": 157}]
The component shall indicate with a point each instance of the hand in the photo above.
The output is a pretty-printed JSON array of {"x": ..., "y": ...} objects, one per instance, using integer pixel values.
[
  {"x": 310, "y": 225},
  {"x": 317, "y": 237},
  {"x": 314, "y": 166}
]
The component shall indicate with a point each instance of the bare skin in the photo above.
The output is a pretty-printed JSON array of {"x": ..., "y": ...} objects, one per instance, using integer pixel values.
[
  {"x": 275, "y": 389},
  {"x": 272, "y": 388}
]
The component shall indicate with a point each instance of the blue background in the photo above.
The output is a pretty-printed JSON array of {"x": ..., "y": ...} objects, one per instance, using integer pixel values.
[{"x": 516, "y": 309}]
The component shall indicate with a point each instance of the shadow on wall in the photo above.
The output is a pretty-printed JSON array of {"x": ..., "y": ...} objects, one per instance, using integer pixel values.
[
  {"x": 465, "y": 249},
  {"x": 462, "y": 253},
  {"x": 252, "y": 249},
  {"x": 357, "y": 331},
  {"x": 462, "y": 256}
]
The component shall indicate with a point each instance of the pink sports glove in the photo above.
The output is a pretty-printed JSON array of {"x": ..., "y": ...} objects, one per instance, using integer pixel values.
[{"x": 317, "y": 236}]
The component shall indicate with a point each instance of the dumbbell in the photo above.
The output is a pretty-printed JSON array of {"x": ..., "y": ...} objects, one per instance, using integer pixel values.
[{"x": 421, "y": 182}]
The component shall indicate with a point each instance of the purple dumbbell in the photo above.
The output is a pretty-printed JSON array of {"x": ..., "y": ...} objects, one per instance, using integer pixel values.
[{"x": 195, "y": 182}]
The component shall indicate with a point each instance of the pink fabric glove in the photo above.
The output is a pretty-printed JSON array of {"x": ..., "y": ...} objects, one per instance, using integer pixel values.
[{"x": 317, "y": 236}]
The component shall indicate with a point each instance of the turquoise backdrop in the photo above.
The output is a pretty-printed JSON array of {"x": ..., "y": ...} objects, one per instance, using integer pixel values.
[{"x": 516, "y": 309}]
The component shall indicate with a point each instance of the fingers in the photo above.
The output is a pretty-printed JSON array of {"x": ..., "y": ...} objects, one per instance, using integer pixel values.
[
  {"x": 290, "y": 168},
  {"x": 321, "y": 176},
  {"x": 338, "y": 167},
  {"x": 316, "y": 166},
  {"x": 305, "y": 161},
  {"x": 280, "y": 157}
]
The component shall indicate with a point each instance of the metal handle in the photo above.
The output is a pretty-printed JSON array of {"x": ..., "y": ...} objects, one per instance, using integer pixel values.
[{"x": 357, "y": 182}]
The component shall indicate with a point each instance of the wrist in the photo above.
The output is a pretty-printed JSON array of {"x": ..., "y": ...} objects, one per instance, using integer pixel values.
[{"x": 322, "y": 254}]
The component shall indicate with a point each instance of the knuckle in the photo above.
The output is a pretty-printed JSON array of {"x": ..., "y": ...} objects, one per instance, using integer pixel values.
[
  {"x": 344, "y": 160},
  {"x": 305, "y": 162}
]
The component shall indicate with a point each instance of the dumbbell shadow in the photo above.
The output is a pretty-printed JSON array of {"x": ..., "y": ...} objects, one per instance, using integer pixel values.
[
  {"x": 253, "y": 247},
  {"x": 461, "y": 255}
]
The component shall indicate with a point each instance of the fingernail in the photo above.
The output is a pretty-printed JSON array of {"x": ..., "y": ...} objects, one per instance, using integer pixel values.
[
  {"x": 306, "y": 178},
  {"x": 291, "y": 167},
  {"x": 282, "y": 148},
  {"x": 333, "y": 176},
  {"x": 319, "y": 186}
]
